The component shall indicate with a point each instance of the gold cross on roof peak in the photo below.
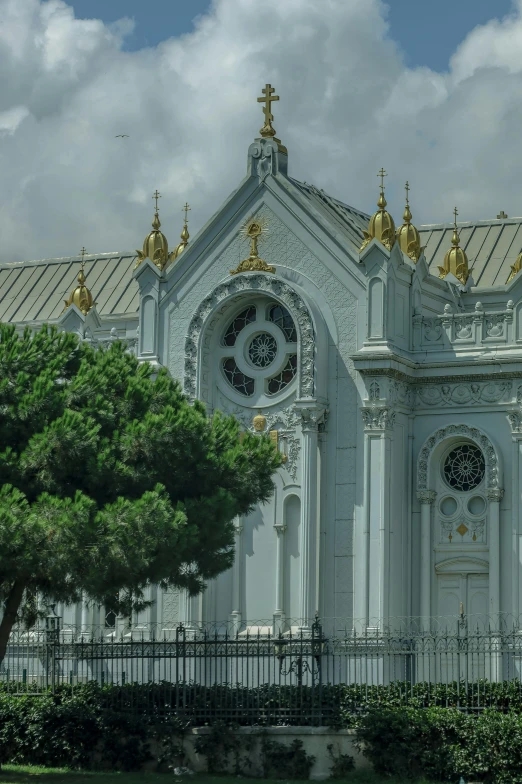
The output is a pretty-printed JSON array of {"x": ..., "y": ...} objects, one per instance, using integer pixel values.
[
  {"x": 156, "y": 195},
  {"x": 267, "y": 130},
  {"x": 382, "y": 174},
  {"x": 82, "y": 254},
  {"x": 455, "y": 213},
  {"x": 186, "y": 209},
  {"x": 407, "y": 189}
]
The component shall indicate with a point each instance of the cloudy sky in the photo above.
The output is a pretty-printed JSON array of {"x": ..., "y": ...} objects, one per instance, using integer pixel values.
[{"x": 432, "y": 94}]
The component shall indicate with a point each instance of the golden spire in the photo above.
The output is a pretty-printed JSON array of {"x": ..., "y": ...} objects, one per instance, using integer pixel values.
[
  {"x": 184, "y": 233},
  {"x": 155, "y": 246},
  {"x": 81, "y": 296},
  {"x": 455, "y": 260},
  {"x": 515, "y": 268},
  {"x": 381, "y": 226},
  {"x": 407, "y": 235}
]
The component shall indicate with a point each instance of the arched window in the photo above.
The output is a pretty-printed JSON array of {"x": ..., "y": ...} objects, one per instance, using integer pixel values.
[{"x": 461, "y": 495}]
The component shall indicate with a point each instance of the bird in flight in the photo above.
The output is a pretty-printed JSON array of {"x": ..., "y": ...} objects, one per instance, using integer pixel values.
[{"x": 122, "y": 136}]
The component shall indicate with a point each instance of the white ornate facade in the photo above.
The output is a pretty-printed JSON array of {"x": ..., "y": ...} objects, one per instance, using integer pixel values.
[{"x": 394, "y": 395}]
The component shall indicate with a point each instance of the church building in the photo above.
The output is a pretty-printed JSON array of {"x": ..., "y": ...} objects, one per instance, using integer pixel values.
[{"x": 385, "y": 363}]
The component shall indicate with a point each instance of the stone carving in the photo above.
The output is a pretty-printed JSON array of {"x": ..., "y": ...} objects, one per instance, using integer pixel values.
[
  {"x": 462, "y": 394},
  {"x": 464, "y": 327},
  {"x": 374, "y": 392},
  {"x": 495, "y": 494},
  {"x": 495, "y": 326},
  {"x": 469, "y": 532},
  {"x": 378, "y": 418},
  {"x": 170, "y": 606},
  {"x": 272, "y": 286},
  {"x": 426, "y": 496},
  {"x": 473, "y": 433},
  {"x": 515, "y": 420},
  {"x": 432, "y": 330},
  {"x": 263, "y": 153}
]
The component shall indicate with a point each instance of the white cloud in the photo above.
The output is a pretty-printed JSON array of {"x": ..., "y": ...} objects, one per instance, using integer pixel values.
[{"x": 348, "y": 105}]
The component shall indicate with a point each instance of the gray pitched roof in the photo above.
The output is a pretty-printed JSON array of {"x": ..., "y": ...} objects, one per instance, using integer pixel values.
[
  {"x": 36, "y": 290},
  {"x": 491, "y": 246},
  {"x": 350, "y": 221}
]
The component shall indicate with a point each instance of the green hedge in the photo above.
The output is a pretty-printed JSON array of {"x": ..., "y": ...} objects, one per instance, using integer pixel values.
[
  {"x": 443, "y": 744},
  {"x": 118, "y": 722}
]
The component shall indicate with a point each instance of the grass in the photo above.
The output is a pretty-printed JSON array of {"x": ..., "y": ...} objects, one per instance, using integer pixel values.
[{"x": 29, "y": 774}]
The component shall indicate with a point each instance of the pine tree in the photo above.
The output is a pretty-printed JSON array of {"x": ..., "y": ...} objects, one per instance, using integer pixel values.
[{"x": 110, "y": 479}]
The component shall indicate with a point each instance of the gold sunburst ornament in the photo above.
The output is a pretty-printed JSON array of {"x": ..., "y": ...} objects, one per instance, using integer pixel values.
[{"x": 255, "y": 229}]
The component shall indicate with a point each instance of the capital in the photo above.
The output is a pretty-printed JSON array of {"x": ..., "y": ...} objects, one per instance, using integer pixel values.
[
  {"x": 426, "y": 496},
  {"x": 495, "y": 494},
  {"x": 378, "y": 417},
  {"x": 312, "y": 413}
]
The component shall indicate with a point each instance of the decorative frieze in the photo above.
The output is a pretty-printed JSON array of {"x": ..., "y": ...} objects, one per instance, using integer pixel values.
[{"x": 463, "y": 393}]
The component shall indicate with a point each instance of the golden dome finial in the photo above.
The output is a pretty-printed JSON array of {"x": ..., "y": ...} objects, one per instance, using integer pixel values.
[
  {"x": 155, "y": 246},
  {"x": 81, "y": 296},
  {"x": 408, "y": 236},
  {"x": 184, "y": 233},
  {"x": 515, "y": 268},
  {"x": 455, "y": 260},
  {"x": 381, "y": 226},
  {"x": 268, "y": 131}
]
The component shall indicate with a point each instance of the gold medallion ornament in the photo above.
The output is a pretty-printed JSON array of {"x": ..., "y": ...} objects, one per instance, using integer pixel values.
[
  {"x": 455, "y": 260},
  {"x": 259, "y": 422},
  {"x": 268, "y": 131},
  {"x": 408, "y": 236},
  {"x": 155, "y": 246},
  {"x": 81, "y": 296},
  {"x": 381, "y": 226},
  {"x": 254, "y": 230}
]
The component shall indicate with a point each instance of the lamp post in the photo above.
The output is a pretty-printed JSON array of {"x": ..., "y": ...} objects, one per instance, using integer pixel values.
[{"x": 52, "y": 638}]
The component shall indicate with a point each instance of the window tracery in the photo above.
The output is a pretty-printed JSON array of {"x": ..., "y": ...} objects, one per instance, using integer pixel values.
[
  {"x": 259, "y": 349},
  {"x": 246, "y": 316},
  {"x": 464, "y": 468}
]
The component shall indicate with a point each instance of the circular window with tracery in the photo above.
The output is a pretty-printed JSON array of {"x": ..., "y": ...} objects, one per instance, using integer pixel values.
[
  {"x": 464, "y": 468},
  {"x": 258, "y": 350}
]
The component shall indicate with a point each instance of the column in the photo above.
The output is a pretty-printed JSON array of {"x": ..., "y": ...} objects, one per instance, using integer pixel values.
[
  {"x": 311, "y": 414},
  {"x": 235, "y": 615},
  {"x": 378, "y": 427},
  {"x": 279, "y": 613},
  {"x": 426, "y": 498}
]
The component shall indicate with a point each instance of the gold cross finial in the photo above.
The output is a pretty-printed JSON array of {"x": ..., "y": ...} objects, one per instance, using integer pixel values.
[
  {"x": 455, "y": 213},
  {"x": 382, "y": 174},
  {"x": 269, "y": 97},
  {"x": 186, "y": 208},
  {"x": 407, "y": 189},
  {"x": 82, "y": 254},
  {"x": 156, "y": 195}
]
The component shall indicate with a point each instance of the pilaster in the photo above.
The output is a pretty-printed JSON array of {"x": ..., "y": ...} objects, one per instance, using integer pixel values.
[
  {"x": 372, "y": 605},
  {"x": 426, "y": 499},
  {"x": 148, "y": 277},
  {"x": 235, "y": 615},
  {"x": 312, "y": 413}
]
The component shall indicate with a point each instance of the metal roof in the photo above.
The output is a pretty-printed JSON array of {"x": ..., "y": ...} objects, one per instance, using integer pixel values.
[
  {"x": 36, "y": 290},
  {"x": 491, "y": 246},
  {"x": 350, "y": 221}
]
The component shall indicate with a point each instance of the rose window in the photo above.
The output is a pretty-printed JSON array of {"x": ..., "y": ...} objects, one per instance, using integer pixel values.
[
  {"x": 262, "y": 350},
  {"x": 258, "y": 351},
  {"x": 464, "y": 468}
]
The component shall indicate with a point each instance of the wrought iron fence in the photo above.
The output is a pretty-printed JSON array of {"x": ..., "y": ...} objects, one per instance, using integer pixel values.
[{"x": 253, "y": 675}]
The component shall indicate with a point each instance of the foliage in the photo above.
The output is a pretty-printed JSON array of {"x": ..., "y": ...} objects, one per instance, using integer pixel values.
[
  {"x": 220, "y": 744},
  {"x": 342, "y": 764},
  {"x": 111, "y": 480},
  {"x": 282, "y": 761},
  {"x": 443, "y": 744}
]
